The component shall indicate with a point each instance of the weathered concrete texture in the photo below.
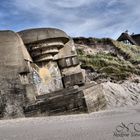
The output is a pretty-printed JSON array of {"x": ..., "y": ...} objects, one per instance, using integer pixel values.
[
  {"x": 53, "y": 52},
  {"x": 44, "y": 51},
  {"x": 69, "y": 65},
  {"x": 48, "y": 78},
  {"x": 11, "y": 48},
  {"x": 112, "y": 95},
  {"x": 66, "y": 101},
  {"x": 12, "y": 64},
  {"x": 73, "y": 79},
  {"x": 12, "y": 98},
  {"x": 39, "y": 34},
  {"x": 67, "y": 51},
  {"x": 27, "y": 72},
  {"x": 43, "y": 44},
  {"x": 95, "y": 98}
]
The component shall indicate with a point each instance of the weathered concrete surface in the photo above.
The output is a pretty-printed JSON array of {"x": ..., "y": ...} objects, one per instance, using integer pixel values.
[
  {"x": 43, "y": 44},
  {"x": 53, "y": 51},
  {"x": 67, "y": 51},
  {"x": 12, "y": 64},
  {"x": 112, "y": 95},
  {"x": 50, "y": 78},
  {"x": 11, "y": 48},
  {"x": 95, "y": 98},
  {"x": 95, "y": 126},
  {"x": 65, "y": 101},
  {"x": 69, "y": 65},
  {"x": 39, "y": 34}
]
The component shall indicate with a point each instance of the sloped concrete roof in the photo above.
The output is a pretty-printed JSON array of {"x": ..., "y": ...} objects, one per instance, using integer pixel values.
[
  {"x": 39, "y": 34},
  {"x": 12, "y": 51},
  {"x": 7, "y": 37}
]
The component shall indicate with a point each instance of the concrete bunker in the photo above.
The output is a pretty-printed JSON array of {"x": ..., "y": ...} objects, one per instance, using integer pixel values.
[
  {"x": 14, "y": 70},
  {"x": 55, "y": 58},
  {"x": 39, "y": 71}
]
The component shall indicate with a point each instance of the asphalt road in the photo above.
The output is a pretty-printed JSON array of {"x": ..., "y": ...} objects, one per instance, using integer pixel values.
[{"x": 122, "y": 124}]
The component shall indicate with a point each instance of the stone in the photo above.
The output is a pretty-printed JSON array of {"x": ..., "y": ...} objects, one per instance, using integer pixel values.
[
  {"x": 13, "y": 62},
  {"x": 37, "y": 62},
  {"x": 54, "y": 54}
]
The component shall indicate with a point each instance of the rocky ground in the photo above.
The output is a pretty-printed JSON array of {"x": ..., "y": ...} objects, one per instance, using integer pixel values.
[{"x": 114, "y": 67}]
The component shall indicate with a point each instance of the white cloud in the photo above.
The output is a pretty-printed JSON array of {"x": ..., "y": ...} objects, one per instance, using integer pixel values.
[
  {"x": 82, "y": 17},
  {"x": 72, "y": 3},
  {"x": 29, "y": 4}
]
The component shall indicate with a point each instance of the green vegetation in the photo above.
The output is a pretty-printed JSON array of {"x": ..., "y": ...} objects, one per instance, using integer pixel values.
[
  {"x": 118, "y": 65},
  {"x": 130, "y": 52}
]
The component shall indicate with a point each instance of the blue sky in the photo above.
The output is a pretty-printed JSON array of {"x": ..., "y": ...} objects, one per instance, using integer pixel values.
[{"x": 89, "y": 18}]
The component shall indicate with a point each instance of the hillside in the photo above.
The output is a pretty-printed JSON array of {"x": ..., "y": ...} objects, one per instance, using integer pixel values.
[
  {"x": 107, "y": 58},
  {"x": 114, "y": 68}
]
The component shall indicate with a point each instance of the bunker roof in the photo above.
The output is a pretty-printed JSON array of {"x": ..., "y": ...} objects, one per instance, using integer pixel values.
[{"x": 40, "y": 34}]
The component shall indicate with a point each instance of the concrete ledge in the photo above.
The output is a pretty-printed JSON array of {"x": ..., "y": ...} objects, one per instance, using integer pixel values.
[{"x": 39, "y": 34}]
